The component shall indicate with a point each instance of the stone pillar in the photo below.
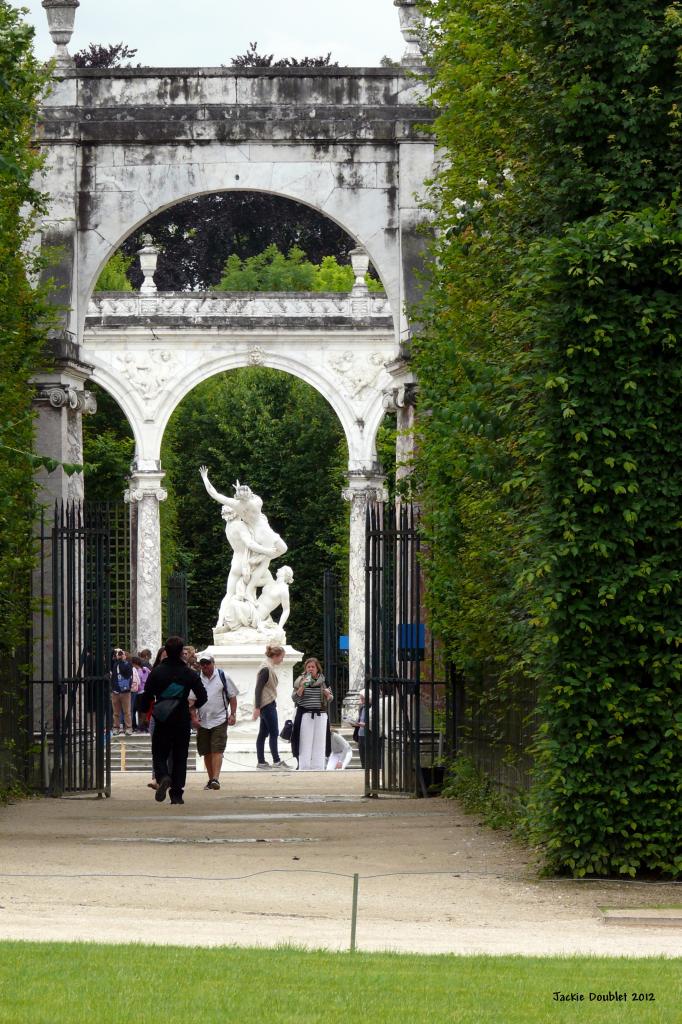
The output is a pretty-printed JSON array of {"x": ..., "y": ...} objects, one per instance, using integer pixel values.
[
  {"x": 401, "y": 400},
  {"x": 61, "y": 401},
  {"x": 144, "y": 496},
  {"x": 363, "y": 487},
  {"x": 416, "y": 166}
]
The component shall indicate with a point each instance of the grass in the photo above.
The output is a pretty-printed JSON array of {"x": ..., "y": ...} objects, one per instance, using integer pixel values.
[{"x": 64, "y": 983}]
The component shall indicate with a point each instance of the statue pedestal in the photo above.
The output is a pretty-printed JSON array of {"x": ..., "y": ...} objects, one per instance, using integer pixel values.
[{"x": 241, "y": 662}]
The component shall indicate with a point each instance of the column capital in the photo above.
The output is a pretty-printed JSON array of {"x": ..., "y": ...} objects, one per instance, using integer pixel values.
[
  {"x": 145, "y": 485},
  {"x": 365, "y": 485},
  {"x": 66, "y": 396}
]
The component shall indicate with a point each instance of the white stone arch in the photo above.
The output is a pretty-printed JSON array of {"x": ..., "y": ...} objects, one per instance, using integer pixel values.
[
  {"x": 359, "y": 425},
  {"x": 135, "y": 198},
  {"x": 226, "y": 362}
]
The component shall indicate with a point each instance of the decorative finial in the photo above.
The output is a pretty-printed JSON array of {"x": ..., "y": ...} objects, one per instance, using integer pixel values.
[
  {"x": 149, "y": 255},
  {"x": 360, "y": 262},
  {"x": 61, "y": 15},
  {"x": 411, "y": 26}
]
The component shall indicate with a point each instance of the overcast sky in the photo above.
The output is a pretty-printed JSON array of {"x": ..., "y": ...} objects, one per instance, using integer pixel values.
[{"x": 176, "y": 33}]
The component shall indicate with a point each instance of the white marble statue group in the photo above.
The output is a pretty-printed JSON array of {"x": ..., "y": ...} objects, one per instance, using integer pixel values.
[{"x": 252, "y": 593}]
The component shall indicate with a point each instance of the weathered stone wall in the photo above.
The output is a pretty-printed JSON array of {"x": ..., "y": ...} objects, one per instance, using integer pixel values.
[{"x": 124, "y": 144}]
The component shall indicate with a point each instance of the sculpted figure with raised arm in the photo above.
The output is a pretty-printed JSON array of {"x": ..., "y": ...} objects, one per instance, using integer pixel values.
[{"x": 254, "y": 544}]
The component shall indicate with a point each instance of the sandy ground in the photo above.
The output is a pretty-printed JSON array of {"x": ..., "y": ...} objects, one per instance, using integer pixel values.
[{"x": 270, "y": 859}]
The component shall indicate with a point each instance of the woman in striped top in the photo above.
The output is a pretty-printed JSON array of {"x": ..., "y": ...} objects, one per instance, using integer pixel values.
[{"x": 310, "y": 741}]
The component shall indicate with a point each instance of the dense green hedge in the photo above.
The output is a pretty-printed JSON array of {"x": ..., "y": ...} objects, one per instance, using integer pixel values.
[
  {"x": 550, "y": 370},
  {"x": 22, "y": 317}
]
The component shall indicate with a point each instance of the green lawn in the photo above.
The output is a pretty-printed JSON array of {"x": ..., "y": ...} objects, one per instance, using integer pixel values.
[{"x": 61, "y": 983}]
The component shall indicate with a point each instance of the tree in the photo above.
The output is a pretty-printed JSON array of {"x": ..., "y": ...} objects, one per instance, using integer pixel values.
[
  {"x": 24, "y": 315},
  {"x": 108, "y": 449},
  {"x": 272, "y": 271},
  {"x": 96, "y": 55},
  {"x": 253, "y": 59},
  {"x": 549, "y": 366},
  {"x": 197, "y": 236},
  {"x": 114, "y": 276}
]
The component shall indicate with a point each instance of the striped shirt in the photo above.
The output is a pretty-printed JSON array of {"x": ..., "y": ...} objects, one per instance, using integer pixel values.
[{"x": 312, "y": 698}]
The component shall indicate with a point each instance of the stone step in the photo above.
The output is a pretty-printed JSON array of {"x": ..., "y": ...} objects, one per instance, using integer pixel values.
[{"x": 134, "y": 754}]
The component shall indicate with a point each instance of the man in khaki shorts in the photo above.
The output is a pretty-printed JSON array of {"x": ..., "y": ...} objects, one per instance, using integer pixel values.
[{"x": 212, "y": 719}]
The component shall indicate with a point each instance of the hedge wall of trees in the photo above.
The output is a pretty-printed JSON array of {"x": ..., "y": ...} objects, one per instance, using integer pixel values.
[
  {"x": 22, "y": 317},
  {"x": 550, "y": 373}
]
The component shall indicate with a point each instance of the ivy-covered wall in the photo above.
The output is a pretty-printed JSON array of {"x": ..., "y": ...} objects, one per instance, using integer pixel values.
[{"x": 550, "y": 426}]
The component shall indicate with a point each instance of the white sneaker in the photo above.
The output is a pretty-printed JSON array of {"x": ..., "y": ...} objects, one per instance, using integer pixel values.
[
  {"x": 284, "y": 765},
  {"x": 264, "y": 767}
]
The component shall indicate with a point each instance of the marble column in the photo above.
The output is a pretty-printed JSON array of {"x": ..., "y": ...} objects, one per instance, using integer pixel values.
[
  {"x": 144, "y": 496},
  {"x": 363, "y": 487}
]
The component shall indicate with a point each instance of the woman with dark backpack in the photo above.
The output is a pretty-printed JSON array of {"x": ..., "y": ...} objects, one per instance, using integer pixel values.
[{"x": 169, "y": 685}]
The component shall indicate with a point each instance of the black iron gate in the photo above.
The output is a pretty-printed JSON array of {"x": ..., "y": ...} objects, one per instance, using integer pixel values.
[
  {"x": 335, "y": 642},
  {"x": 176, "y": 605},
  {"x": 407, "y": 691},
  {"x": 72, "y": 649}
]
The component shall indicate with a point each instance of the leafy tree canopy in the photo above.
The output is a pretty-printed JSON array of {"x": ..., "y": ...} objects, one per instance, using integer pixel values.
[
  {"x": 197, "y": 236},
  {"x": 114, "y": 276},
  {"x": 550, "y": 368},
  {"x": 253, "y": 59},
  {"x": 96, "y": 55},
  {"x": 108, "y": 449},
  {"x": 272, "y": 271},
  {"x": 24, "y": 315}
]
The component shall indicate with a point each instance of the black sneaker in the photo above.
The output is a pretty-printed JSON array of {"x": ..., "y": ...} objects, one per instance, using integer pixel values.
[
  {"x": 164, "y": 786},
  {"x": 214, "y": 784},
  {"x": 177, "y": 800}
]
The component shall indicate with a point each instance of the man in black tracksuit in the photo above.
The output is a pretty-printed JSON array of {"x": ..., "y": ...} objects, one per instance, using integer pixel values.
[{"x": 169, "y": 686}]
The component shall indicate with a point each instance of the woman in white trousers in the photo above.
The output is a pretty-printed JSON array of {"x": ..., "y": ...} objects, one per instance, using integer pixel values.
[{"x": 311, "y": 697}]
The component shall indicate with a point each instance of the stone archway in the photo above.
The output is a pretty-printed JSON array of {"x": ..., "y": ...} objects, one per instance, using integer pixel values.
[
  {"x": 122, "y": 144},
  {"x": 150, "y": 350}
]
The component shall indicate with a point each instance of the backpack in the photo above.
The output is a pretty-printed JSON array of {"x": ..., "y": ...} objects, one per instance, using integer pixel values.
[
  {"x": 124, "y": 683},
  {"x": 228, "y": 687}
]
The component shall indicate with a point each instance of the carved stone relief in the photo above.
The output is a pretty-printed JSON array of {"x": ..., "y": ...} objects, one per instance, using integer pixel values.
[
  {"x": 357, "y": 373},
  {"x": 148, "y": 372}
]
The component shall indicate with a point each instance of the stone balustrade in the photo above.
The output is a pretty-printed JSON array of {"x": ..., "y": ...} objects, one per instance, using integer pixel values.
[{"x": 241, "y": 309}]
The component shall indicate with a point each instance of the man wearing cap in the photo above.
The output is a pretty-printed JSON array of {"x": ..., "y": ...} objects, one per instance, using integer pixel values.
[{"x": 212, "y": 719}]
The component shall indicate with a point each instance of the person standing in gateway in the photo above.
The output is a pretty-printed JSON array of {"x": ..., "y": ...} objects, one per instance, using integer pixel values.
[
  {"x": 169, "y": 685},
  {"x": 265, "y": 708}
]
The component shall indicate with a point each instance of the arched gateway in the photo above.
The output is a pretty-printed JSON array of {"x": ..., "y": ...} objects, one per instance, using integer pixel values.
[{"x": 121, "y": 145}]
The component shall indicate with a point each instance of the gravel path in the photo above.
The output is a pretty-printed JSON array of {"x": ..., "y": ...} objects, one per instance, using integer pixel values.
[{"x": 270, "y": 859}]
